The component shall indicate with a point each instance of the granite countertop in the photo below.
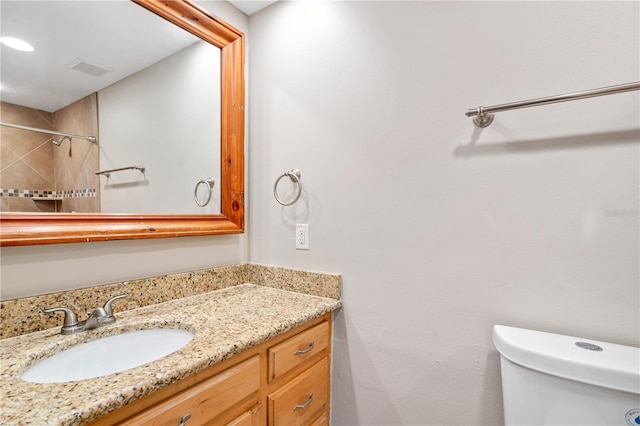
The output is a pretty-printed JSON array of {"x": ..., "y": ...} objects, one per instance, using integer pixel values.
[{"x": 225, "y": 322}]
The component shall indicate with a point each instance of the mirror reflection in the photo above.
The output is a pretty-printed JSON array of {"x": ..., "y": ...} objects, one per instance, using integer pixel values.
[{"x": 147, "y": 90}]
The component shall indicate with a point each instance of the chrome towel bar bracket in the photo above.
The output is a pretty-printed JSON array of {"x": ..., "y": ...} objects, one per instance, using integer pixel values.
[
  {"x": 483, "y": 116},
  {"x": 294, "y": 175}
]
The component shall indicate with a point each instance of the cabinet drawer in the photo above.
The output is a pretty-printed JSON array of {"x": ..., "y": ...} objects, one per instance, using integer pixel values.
[
  {"x": 207, "y": 399},
  {"x": 297, "y": 349},
  {"x": 301, "y": 399}
]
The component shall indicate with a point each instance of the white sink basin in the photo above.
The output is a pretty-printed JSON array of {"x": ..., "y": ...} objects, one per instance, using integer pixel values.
[{"x": 107, "y": 355}]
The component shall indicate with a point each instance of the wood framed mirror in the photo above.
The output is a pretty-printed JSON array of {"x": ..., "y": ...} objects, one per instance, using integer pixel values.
[{"x": 18, "y": 229}]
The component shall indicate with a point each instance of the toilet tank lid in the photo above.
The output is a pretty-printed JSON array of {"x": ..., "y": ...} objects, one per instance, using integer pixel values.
[{"x": 614, "y": 366}]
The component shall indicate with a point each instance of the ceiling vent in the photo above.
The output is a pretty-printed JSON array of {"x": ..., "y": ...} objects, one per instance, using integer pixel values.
[{"x": 87, "y": 68}]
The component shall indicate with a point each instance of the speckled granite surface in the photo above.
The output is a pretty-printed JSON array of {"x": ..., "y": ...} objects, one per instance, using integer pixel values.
[
  {"x": 25, "y": 315},
  {"x": 225, "y": 322},
  {"x": 315, "y": 283}
]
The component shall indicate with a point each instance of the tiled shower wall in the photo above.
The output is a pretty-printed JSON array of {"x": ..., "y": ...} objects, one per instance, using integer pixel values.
[
  {"x": 75, "y": 162},
  {"x": 26, "y": 160},
  {"x": 30, "y": 162}
]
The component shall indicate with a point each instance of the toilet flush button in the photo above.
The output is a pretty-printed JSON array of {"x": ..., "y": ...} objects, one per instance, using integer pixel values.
[{"x": 589, "y": 346}]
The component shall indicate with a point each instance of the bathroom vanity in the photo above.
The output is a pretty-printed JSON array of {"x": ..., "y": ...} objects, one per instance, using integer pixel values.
[
  {"x": 287, "y": 377},
  {"x": 259, "y": 356}
]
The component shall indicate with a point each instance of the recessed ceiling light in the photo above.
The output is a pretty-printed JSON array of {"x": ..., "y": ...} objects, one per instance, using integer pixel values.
[{"x": 16, "y": 43}]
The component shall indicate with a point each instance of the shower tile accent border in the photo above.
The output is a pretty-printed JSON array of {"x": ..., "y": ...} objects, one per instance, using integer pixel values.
[
  {"x": 46, "y": 194},
  {"x": 24, "y": 315}
]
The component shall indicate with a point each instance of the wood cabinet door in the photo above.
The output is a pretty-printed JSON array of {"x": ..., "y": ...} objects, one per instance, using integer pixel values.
[
  {"x": 252, "y": 417},
  {"x": 321, "y": 420}
]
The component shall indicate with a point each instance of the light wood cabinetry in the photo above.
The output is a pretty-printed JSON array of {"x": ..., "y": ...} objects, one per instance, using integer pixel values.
[
  {"x": 282, "y": 382},
  {"x": 297, "y": 350},
  {"x": 322, "y": 420},
  {"x": 253, "y": 417},
  {"x": 302, "y": 399},
  {"x": 207, "y": 400}
]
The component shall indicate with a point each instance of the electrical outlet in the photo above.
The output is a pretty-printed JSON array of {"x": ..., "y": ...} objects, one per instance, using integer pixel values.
[{"x": 302, "y": 236}]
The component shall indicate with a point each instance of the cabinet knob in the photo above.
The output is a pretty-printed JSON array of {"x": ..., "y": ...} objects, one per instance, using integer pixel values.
[
  {"x": 183, "y": 419},
  {"x": 305, "y": 405},
  {"x": 304, "y": 351}
]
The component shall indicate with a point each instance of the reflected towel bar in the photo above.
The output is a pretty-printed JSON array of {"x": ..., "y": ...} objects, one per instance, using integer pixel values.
[
  {"x": 91, "y": 139},
  {"x": 483, "y": 117},
  {"x": 107, "y": 173}
]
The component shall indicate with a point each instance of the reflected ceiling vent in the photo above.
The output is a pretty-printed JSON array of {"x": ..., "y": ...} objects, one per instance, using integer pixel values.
[{"x": 88, "y": 68}]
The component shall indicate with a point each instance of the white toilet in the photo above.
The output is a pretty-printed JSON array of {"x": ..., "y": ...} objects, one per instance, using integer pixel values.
[{"x": 550, "y": 379}]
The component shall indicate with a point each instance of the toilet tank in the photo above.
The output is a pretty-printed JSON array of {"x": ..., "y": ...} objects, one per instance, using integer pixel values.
[{"x": 551, "y": 379}]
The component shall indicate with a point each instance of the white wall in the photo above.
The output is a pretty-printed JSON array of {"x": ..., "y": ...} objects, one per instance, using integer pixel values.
[
  {"x": 441, "y": 229},
  {"x": 166, "y": 118},
  {"x": 42, "y": 269}
]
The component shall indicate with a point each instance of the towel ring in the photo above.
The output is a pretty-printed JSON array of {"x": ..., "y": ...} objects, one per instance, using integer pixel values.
[
  {"x": 209, "y": 182},
  {"x": 294, "y": 175}
]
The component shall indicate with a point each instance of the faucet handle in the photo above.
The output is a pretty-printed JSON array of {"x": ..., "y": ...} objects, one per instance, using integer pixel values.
[
  {"x": 70, "y": 318},
  {"x": 98, "y": 313},
  {"x": 107, "y": 306}
]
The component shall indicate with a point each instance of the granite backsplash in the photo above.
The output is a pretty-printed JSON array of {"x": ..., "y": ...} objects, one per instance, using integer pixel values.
[{"x": 25, "y": 315}]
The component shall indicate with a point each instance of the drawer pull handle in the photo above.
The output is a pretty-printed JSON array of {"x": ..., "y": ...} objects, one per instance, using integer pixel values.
[
  {"x": 183, "y": 419},
  {"x": 304, "y": 351},
  {"x": 305, "y": 405}
]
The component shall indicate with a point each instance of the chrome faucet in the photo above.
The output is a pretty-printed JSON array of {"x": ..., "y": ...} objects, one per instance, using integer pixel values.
[{"x": 99, "y": 317}]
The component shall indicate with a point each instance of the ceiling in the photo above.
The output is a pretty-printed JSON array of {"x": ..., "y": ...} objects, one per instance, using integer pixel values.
[
  {"x": 75, "y": 40},
  {"x": 251, "y": 6},
  {"x": 118, "y": 36}
]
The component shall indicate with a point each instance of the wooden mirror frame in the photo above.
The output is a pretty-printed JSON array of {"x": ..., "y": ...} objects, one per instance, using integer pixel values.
[{"x": 18, "y": 229}]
